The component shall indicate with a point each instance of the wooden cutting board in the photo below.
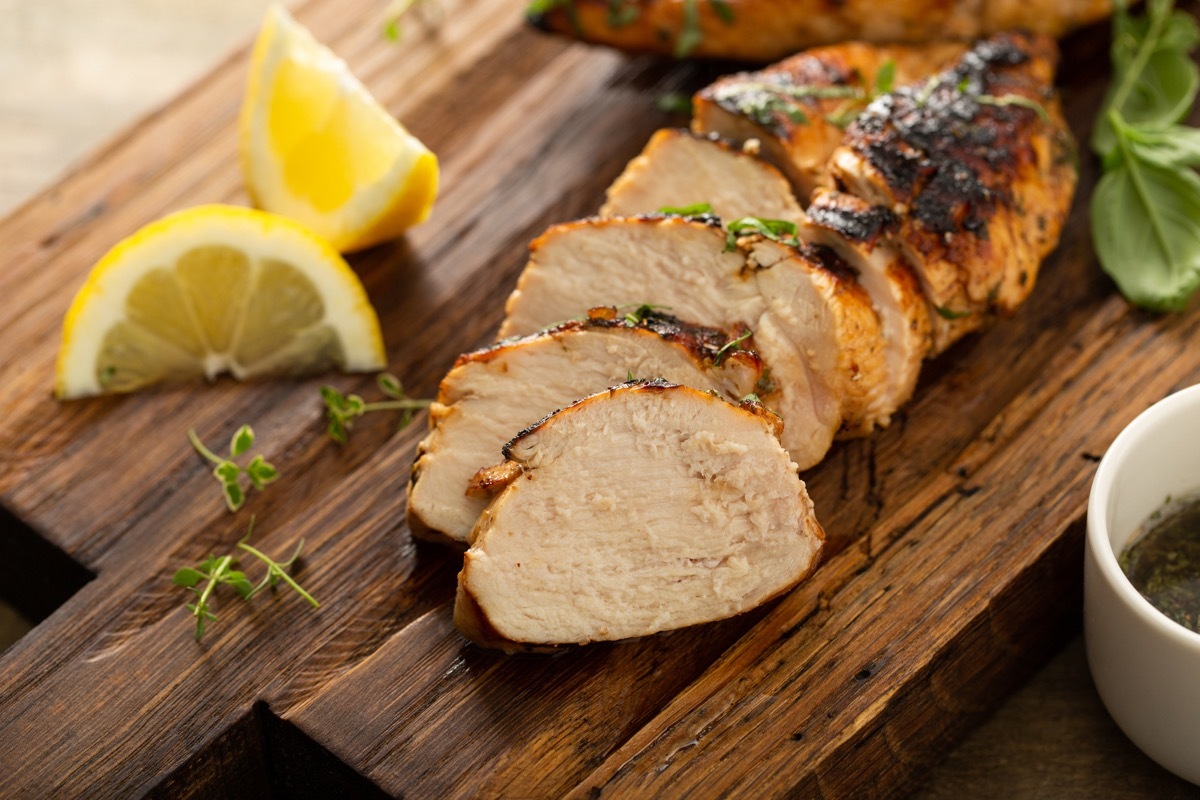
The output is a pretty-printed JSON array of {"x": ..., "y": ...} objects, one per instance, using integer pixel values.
[{"x": 955, "y": 535}]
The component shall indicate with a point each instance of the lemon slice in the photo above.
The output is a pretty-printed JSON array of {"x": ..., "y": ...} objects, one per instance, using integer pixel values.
[
  {"x": 317, "y": 147},
  {"x": 210, "y": 290}
]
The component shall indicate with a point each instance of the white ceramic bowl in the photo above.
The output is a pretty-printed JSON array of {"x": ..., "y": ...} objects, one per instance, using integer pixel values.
[{"x": 1146, "y": 667}]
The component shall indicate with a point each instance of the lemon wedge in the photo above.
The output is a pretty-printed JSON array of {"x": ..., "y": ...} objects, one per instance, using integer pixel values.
[
  {"x": 210, "y": 290},
  {"x": 317, "y": 147}
]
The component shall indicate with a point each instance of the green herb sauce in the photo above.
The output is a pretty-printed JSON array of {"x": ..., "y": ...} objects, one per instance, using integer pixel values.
[{"x": 1163, "y": 561}]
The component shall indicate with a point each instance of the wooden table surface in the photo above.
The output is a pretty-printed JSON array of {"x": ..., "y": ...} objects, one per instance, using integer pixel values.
[{"x": 74, "y": 73}]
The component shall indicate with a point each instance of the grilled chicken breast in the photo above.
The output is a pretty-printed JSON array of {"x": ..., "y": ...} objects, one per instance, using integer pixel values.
[
  {"x": 854, "y": 229},
  {"x": 492, "y": 394},
  {"x": 764, "y": 30},
  {"x": 798, "y": 108},
  {"x": 817, "y": 302},
  {"x": 795, "y": 308},
  {"x": 678, "y": 169},
  {"x": 645, "y": 508},
  {"x": 977, "y": 168}
]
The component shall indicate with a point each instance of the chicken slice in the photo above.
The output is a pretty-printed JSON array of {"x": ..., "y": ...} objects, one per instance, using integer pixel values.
[
  {"x": 678, "y": 169},
  {"x": 855, "y": 230},
  {"x": 491, "y": 394},
  {"x": 686, "y": 266},
  {"x": 764, "y": 30},
  {"x": 817, "y": 302},
  {"x": 977, "y": 167},
  {"x": 644, "y": 508},
  {"x": 798, "y": 108},
  {"x": 678, "y": 264}
]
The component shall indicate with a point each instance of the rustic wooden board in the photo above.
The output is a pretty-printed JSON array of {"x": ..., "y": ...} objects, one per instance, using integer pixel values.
[{"x": 955, "y": 534}]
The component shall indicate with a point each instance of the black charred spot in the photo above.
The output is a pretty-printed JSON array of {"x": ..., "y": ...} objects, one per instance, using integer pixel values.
[
  {"x": 855, "y": 225},
  {"x": 828, "y": 259},
  {"x": 941, "y": 150}
]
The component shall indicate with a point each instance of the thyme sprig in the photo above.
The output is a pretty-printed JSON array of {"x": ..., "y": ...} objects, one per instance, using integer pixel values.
[
  {"x": 229, "y": 473},
  {"x": 216, "y": 571},
  {"x": 397, "y": 10},
  {"x": 342, "y": 409}
]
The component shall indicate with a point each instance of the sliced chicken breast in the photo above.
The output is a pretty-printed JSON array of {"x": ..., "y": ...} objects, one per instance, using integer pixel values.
[
  {"x": 686, "y": 266},
  {"x": 645, "y": 508},
  {"x": 492, "y": 394},
  {"x": 678, "y": 168},
  {"x": 763, "y": 30},
  {"x": 855, "y": 230},
  {"x": 798, "y": 109},
  {"x": 977, "y": 167},
  {"x": 817, "y": 302},
  {"x": 678, "y": 264}
]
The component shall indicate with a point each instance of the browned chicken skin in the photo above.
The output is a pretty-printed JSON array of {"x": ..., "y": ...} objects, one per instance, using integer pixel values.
[
  {"x": 764, "y": 30},
  {"x": 798, "y": 109},
  {"x": 976, "y": 166}
]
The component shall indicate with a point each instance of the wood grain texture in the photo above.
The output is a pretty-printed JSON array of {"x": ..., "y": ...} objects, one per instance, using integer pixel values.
[{"x": 955, "y": 534}]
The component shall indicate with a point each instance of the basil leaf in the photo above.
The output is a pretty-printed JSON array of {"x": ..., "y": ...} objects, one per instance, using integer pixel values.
[
  {"x": 1145, "y": 232},
  {"x": 1154, "y": 83},
  {"x": 1176, "y": 147}
]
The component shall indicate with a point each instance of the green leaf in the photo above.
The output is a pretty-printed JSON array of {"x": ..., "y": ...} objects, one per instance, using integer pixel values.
[
  {"x": 1145, "y": 231},
  {"x": 235, "y": 496},
  {"x": 1176, "y": 147},
  {"x": 885, "y": 78},
  {"x": 950, "y": 313},
  {"x": 390, "y": 385},
  {"x": 723, "y": 10},
  {"x": 241, "y": 441},
  {"x": 620, "y": 13},
  {"x": 353, "y": 405},
  {"x": 729, "y": 347},
  {"x": 187, "y": 576},
  {"x": 694, "y": 210},
  {"x": 227, "y": 472},
  {"x": 674, "y": 103},
  {"x": 1154, "y": 81},
  {"x": 391, "y": 30},
  {"x": 337, "y": 430},
  {"x": 690, "y": 34},
  {"x": 261, "y": 472},
  {"x": 777, "y": 230},
  {"x": 242, "y": 586}
]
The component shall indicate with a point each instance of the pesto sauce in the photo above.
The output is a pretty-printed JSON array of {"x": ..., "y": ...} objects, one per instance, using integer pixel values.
[{"x": 1163, "y": 561}]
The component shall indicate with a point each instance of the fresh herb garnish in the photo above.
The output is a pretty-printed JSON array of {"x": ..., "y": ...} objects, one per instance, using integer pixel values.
[
  {"x": 950, "y": 313},
  {"x": 723, "y": 10},
  {"x": 398, "y": 9},
  {"x": 674, "y": 103},
  {"x": 1146, "y": 207},
  {"x": 694, "y": 210},
  {"x": 690, "y": 34},
  {"x": 536, "y": 8},
  {"x": 622, "y": 13},
  {"x": 1014, "y": 100},
  {"x": 214, "y": 572},
  {"x": 777, "y": 230},
  {"x": 731, "y": 346},
  {"x": 751, "y": 398},
  {"x": 228, "y": 473},
  {"x": 341, "y": 409},
  {"x": 639, "y": 314}
]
